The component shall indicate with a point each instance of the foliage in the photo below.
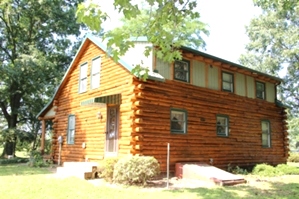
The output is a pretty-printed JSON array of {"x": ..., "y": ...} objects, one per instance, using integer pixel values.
[
  {"x": 287, "y": 170},
  {"x": 236, "y": 170},
  {"x": 270, "y": 171},
  {"x": 36, "y": 160},
  {"x": 107, "y": 168},
  {"x": 166, "y": 24},
  {"x": 14, "y": 160},
  {"x": 140, "y": 72},
  {"x": 293, "y": 130},
  {"x": 135, "y": 170},
  {"x": 294, "y": 157},
  {"x": 274, "y": 46},
  {"x": 35, "y": 49}
]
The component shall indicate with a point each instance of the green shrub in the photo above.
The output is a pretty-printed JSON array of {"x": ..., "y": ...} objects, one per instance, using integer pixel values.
[
  {"x": 36, "y": 160},
  {"x": 270, "y": 171},
  {"x": 14, "y": 160},
  {"x": 265, "y": 170},
  {"x": 135, "y": 169},
  {"x": 106, "y": 168},
  {"x": 287, "y": 169},
  {"x": 294, "y": 157},
  {"x": 236, "y": 170}
]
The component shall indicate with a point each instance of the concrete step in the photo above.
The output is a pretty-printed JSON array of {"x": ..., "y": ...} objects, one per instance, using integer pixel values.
[
  {"x": 76, "y": 169},
  {"x": 202, "y": 171}
]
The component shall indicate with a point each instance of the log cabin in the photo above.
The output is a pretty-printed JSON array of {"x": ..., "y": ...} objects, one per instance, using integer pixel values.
[{"x": 208, "y": 109}]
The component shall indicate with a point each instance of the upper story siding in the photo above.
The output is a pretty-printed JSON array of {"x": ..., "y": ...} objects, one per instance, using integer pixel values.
[{"x": 207, "y": 73}]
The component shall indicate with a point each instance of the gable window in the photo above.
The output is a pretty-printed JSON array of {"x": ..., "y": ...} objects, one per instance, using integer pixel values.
[
  {"x": 182, "y": 70},
  {"x": 95, "y": 73},
  {"x": 266, "y": 138},
  {"x": 227, "y": 82},
  {"x": 83, "y": 78},
  {"x": 71, "y": 129},
  {"x": 178, "y": 121},
  {"x": 222, "y": 125},
  {"x": 260, "y": 90}
]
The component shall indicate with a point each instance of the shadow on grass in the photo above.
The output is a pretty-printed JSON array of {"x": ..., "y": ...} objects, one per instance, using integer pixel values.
[
  {"x": 270, "y": 190},
  {"x": 21, "y": 169}
]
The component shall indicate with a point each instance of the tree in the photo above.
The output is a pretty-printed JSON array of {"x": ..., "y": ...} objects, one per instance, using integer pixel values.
[
  {"x": 274, "y": 45},
  {"x": 274, "y": 48},
  {"x": 166, "y": 24},
  {"x": 35, "y": 49}
]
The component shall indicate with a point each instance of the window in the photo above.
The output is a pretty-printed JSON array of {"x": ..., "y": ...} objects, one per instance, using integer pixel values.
[
  {"x": 260, "y": 90},
  {"x": 71, "y": 130},
  {"x": 95, "y": 73},
  {"x": 178, "y": 121},
  {"x": 266, "y": 139},
  {"x": 181, "y": 70},
  {"x": 222, "y": 125},
  {"x": 83, "y": 78},
  {"x": 227, "y": 82}
]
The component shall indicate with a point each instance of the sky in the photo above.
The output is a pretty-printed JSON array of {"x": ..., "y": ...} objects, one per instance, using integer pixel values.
[{"x": 226, "y": 21}]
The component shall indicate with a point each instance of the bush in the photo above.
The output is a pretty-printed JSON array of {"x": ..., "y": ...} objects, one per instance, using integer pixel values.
[
  {"x": 135, "y": 170},
  {"x": 107, "y": 168},
  {"x": 294, "y": 157},
  {"x": 36, "y": 160},
  {"x": 265, "y": 170},
  {"x": 287, "y": 170},
  {"x": 14, "y": 160},
  {"x": 236, "y": 170},
  {"x": 270, "y": 171}
]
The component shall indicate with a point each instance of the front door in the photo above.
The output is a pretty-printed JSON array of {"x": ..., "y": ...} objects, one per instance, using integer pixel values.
[{"x": 112, "y": 129}]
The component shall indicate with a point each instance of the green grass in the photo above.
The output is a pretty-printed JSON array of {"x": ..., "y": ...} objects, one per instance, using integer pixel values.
[{"x": 20, "y": 181}]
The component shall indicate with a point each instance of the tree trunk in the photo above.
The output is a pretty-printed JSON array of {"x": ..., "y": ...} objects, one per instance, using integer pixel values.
[{"x": 9, "y": 149}]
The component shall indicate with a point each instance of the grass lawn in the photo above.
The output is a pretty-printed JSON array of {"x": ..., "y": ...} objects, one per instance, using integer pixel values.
[{"x": 21, "y": 181}]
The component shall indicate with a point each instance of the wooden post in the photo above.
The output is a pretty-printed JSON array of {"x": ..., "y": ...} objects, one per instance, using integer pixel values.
[{"x": 42, "y": 144}]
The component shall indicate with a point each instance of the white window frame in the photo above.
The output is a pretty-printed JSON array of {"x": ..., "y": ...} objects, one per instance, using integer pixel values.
[
  {"x": 71, "y": 129},
  {"x": 95, "y": 76},
  {"x": 266, "y": 133},
  {"x": 83, "y": 78},
  {"x": 222, "y": 125}
]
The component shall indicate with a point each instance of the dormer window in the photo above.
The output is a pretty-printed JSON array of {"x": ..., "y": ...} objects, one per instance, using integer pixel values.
[{"x": 182, "y": 70}]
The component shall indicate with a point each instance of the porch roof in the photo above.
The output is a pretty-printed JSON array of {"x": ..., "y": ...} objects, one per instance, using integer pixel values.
[{"x": 102, "y": 100}]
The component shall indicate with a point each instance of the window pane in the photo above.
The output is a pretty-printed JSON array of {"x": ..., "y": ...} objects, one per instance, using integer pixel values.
[
  {"x": 181, "y": 70},
  {"x": 222, "y": 125},
  {"x": 83, "y": 71},
  {"x": 227, "y": 86},
  {"x": 83, "y": 85},
  {"x": 71, "y": 129},
  {"x": 265, "y": 125},
  {"x": 265, "y": 139},
  {"x": 227, "y": 77},
  {"x": 96, "y": 65},
  {"x": 95, "y": 81},
  {"x": 178, "y": 121}
]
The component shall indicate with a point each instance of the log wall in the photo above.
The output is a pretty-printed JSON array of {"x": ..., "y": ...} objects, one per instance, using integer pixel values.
[
  {"x": 89, "y": 128},
  {"x": 243, "y": 147}
]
